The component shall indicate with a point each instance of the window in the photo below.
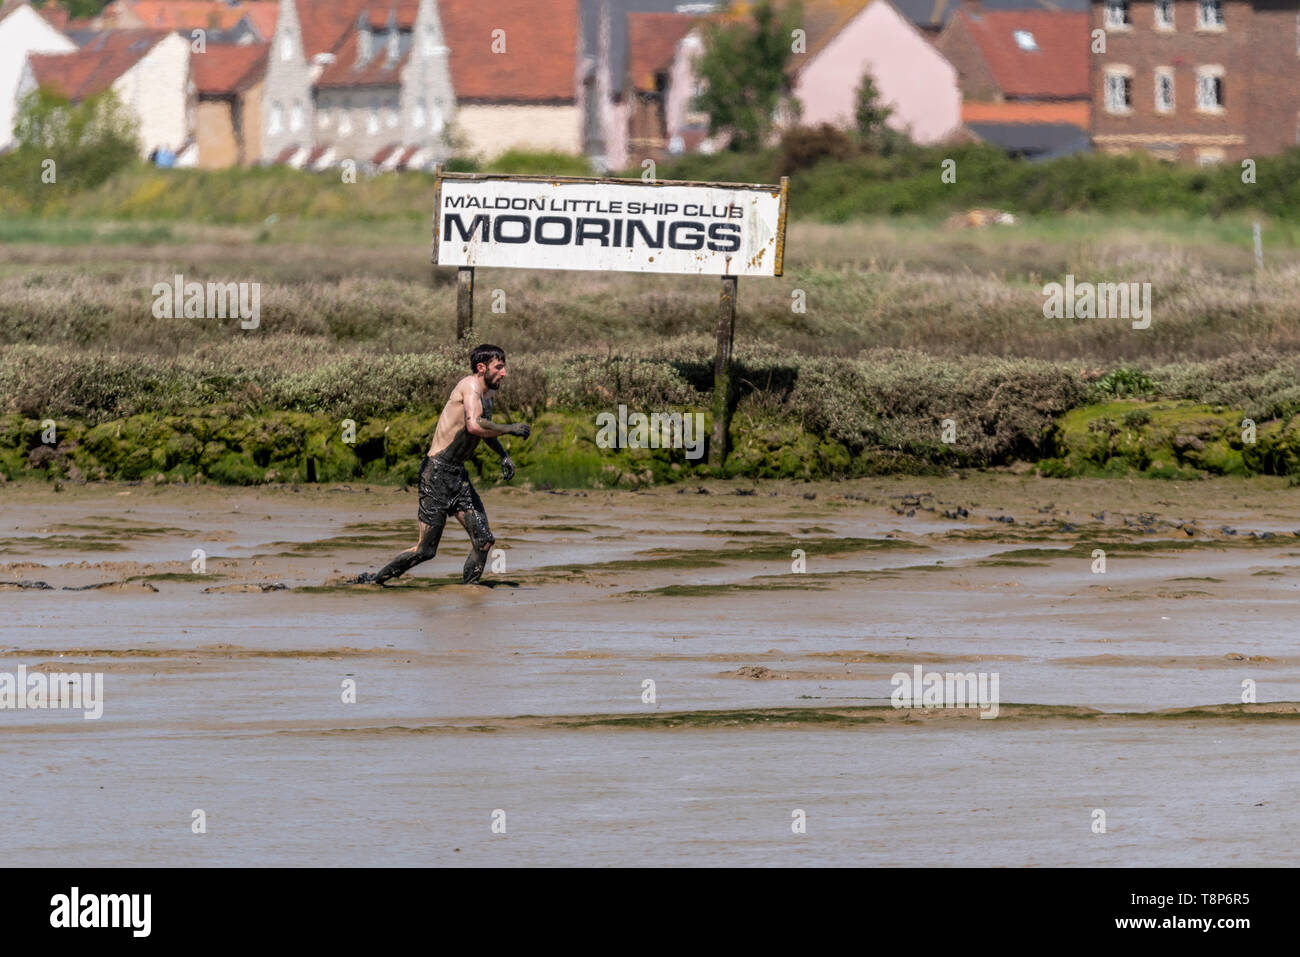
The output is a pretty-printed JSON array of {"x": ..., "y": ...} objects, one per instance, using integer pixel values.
[
  {"x": 1209, "y": 89},
  {"x": 323, "y": 118},
  {"x": 1164, "y": 14},
  {"x": 390, "y": 115},
  {"x": 345, "y": 117},
  {"x": 1119, "y": 91},
  {"x": 1025, "y": 40},
  {"x": 286, "y": 46},
  {"x": 276, "y": 122},
  {"x": 1164, "y": 89},
  {"x": 436, "y": 121},
  {"x": 417, "y": 114},
  {"x": 1117, "y": 15},
  {"x": 1209, "y": 14},
  {"x": 1209, "y": 157},
  {"x": 372, "y": 118},
  {"x": 295, "y": 117}
]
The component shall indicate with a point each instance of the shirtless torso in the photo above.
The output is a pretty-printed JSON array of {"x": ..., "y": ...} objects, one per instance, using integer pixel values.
[{"x": 452, "y": 440}]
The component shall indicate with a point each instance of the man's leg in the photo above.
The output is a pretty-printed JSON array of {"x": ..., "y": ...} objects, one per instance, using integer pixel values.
[
  {"x": 474, "y": 518},
  {"x": 424, "y": 549}
]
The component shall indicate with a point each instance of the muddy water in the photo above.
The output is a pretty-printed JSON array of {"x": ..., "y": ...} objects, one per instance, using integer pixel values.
[{"x": 223, "y": 689}]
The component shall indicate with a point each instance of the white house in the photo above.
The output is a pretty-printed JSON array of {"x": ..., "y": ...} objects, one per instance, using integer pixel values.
[
  {"x": 149, "y": 70},
  {"x": 22, "y": 31}
]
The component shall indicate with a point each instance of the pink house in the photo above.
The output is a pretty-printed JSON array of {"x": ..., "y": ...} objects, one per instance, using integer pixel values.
[{"x": 846, "y": 38}]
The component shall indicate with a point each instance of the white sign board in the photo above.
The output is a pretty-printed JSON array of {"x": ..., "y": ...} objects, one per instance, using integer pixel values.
[{"x": 542, "y": 222}]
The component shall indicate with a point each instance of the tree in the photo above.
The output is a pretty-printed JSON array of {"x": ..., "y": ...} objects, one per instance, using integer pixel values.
[
  {"x": 742, "y": 72},
  {"x": 869, "y": 114},
  {"x": 88, "y": 141}
]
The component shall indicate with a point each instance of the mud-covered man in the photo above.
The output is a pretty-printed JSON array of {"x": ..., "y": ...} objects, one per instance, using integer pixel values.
[{"x": 445, "y": 488}]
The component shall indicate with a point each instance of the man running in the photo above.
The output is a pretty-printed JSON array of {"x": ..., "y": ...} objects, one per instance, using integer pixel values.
[{"x": 444, "y": 482}]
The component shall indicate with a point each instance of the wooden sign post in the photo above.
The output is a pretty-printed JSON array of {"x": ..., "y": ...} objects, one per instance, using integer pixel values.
[
  {"x": 464, "y": 302},
  {"x": 614, "y": 225},
  {"x": 722, "y": 388}
]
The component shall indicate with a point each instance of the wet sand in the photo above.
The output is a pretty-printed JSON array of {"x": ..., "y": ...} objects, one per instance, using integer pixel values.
[{"x": 1120, "y": 691}]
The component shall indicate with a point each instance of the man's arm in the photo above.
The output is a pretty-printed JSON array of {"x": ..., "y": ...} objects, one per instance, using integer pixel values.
[
  {"x": 507, "y": 463},
  {"x": 479, "y": 424}
]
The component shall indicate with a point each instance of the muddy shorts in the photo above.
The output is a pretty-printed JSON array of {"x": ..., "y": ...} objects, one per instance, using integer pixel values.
[{"x": 445, "y": 489}]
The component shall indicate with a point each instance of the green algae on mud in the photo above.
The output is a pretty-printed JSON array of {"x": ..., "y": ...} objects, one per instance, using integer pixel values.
[
  {"x": 1171, "y": 440},
  {"x": 724, "y": 588},
  {"x": 835, "y": 717},
  {"x": 237, "y": 444},
  {"x": 176, "y": 577},
  {"x": 42, "y": 542}
]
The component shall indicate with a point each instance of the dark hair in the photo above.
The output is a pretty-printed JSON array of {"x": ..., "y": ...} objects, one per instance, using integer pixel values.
[{"x": 485, "y": 354}]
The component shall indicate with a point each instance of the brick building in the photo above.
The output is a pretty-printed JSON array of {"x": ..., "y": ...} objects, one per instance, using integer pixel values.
[{"x": 1200, "y": 81}]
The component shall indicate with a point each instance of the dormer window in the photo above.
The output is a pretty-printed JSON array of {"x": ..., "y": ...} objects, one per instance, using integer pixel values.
[
  {"x": 393, "y": 45},
  {"x": 365, "y": 48},
  {"x": 1025, "y": 40}
]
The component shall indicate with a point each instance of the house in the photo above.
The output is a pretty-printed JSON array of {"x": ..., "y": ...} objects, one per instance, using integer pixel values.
[
  {"x": 346, "y": 80},
  {"x": 515, "y": 69},
  {"x": 404, "y": 83},
  {"x": 847, "y": 38},
  {"x": 1202, "y": 81},
  {"x": 660, "y": 85},
  {"x": 149, "y": 70},
  {"x": 228, "y": 81},
  {"x": 1023, "y": 76},
  {"x": 22, "y": 31},
  {"x": 604, "y": 73}
]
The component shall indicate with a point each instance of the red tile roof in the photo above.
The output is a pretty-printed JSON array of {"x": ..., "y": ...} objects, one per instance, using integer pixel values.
[
  {"x": 225, "y": 69},
  {"x": 1058, "y": 68},
  {"x": 186, "y": 14},
  {"x": 94, "y": 67},
  {"x": 404, "y": 12},
  {"x": 540, "y": 62},
  {"x": 325, "y": 23},
  {"x": 652, "y": 40},
  {"x": 377, "y": 71},
  {"x": 263, "y": 14}
]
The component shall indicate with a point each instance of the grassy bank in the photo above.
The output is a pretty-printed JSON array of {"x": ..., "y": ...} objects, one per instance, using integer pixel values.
[{"x": 276, "y": 411}]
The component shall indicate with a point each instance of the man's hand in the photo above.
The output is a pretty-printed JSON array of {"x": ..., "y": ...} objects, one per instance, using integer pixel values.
[
  {"x": 521, "y": 429},
  {"x": 507, "y": 468}
]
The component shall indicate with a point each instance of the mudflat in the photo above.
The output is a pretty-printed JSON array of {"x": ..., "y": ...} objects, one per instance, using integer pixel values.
[{"x": 658, "y": 676}]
